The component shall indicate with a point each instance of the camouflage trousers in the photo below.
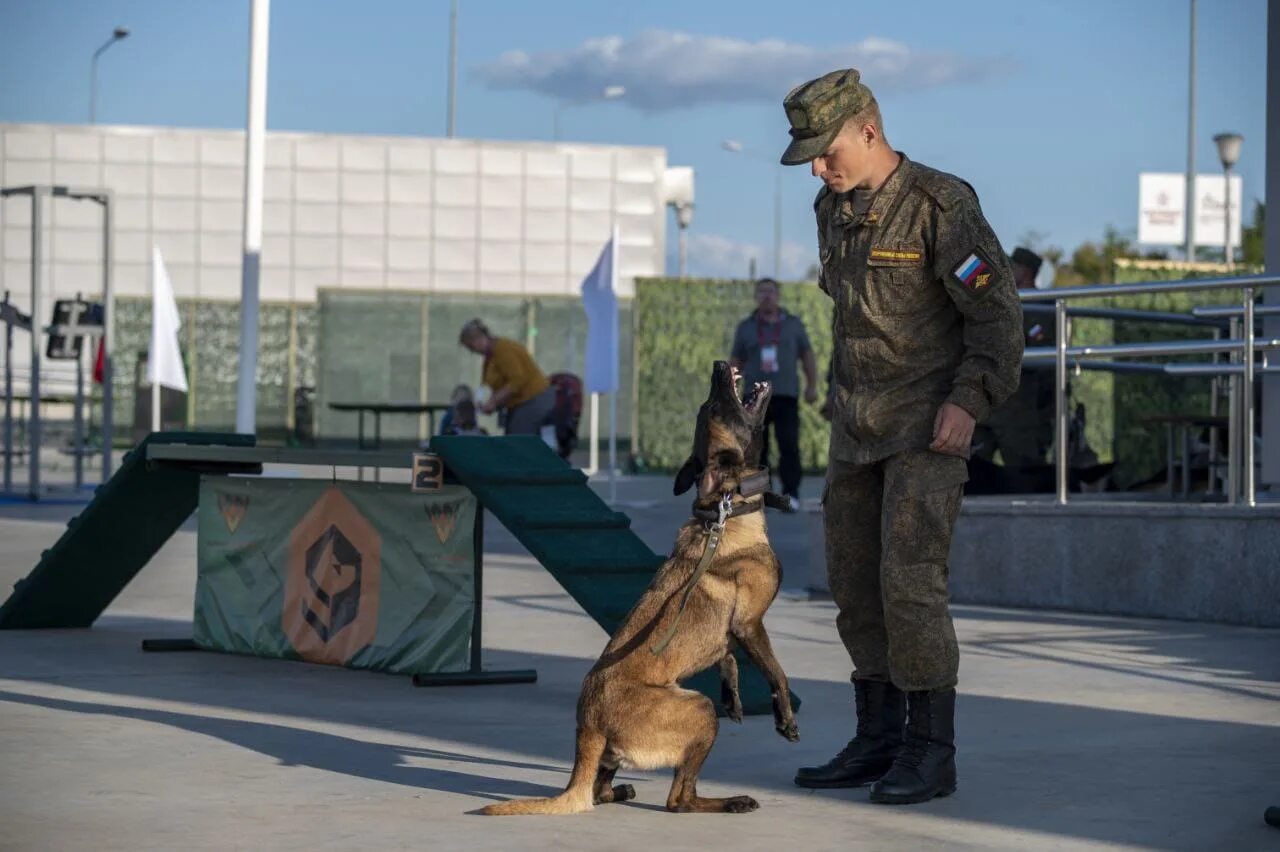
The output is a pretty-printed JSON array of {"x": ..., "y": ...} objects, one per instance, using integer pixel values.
[{"x": 888, "y": 534}]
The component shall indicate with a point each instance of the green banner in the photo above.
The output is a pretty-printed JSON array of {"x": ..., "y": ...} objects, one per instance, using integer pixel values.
[{"x": 353, "y": 574}]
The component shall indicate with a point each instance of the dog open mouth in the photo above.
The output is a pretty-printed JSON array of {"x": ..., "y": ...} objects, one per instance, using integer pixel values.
[{"x": 755, "y": 394}]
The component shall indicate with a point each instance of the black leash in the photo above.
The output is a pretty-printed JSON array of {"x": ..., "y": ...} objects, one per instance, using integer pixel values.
[{"x": 756, "y": 483}]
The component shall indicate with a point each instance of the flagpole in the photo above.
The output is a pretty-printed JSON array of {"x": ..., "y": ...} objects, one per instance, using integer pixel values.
[
  {"x": 254, "y": 159},
  {"x": 153, "y": 351},
  {"x": 593, "y": 463},
  {"x": 155, "y": 406},
  {"x": 613, "y": 397}
]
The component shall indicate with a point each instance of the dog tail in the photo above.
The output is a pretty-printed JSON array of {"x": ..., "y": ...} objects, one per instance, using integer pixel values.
[{"x": 579, "y": 796}]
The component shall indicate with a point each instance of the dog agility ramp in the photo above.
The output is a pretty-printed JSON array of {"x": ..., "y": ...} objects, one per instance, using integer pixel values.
[
  {"x": 588, "y": 548},
  {"x": 129, "y": 518}
]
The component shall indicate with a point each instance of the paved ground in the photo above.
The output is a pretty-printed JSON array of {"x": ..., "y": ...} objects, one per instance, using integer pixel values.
[{"x": 1074, "y": 732}]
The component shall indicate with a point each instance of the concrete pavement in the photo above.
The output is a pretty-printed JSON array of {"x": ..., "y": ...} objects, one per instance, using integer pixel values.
[{"x": 1074, "y": 731}]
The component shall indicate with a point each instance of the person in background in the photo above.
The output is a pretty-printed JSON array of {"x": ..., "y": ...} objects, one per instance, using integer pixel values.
[
  {"x": 519, "y": 389},
  {"x": 464, "y": 420},
  {"x": 1022, "y": 427},
  {"x": 766, "y": 348},
  {"x": 462, "y": 393}
]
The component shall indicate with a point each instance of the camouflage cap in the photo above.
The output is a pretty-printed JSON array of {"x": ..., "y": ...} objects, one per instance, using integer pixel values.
[{"x": 817, "y": 111}]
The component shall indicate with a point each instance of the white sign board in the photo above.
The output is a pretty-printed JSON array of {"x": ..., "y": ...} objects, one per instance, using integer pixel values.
[{"x": 1162, "y": 201}]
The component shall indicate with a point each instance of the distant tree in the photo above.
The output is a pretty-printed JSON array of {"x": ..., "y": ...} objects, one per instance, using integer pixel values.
[{"x": 1252, "y": 249}]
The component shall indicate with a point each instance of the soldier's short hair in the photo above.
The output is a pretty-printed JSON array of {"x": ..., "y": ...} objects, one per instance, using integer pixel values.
[{"x": 869, "y": 114}]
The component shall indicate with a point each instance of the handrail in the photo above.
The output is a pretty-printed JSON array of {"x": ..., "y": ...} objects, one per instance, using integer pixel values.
[
  {"x": 1242, "y": 346},
  {"x": 1161, "y": 317},
  {"x": 1229, "y": 311},
  {"x": 1098, "y": 291},
  {"x": 1143, "y": 350}
]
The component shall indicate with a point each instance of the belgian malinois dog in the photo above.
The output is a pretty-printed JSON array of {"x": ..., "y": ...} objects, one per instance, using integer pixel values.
[{"x": 633, "y": 712}]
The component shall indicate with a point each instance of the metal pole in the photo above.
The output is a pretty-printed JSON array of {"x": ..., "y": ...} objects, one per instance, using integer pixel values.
[
  {"x": 78, "y": 444},
  {"x": 116, "y": 35},
  {"x": 1060, "y": 397},
  {"x": 1233, "y": 423},
  {"x": 1215, "y": 390},
  {"x": 477, "y": 544},
  {"x": 453, "y": 71},
  {"x": 1188, "y": 216},
  {"x": 8, "y": 403},
  {"x": 255, "y": 147},
  {"x": 1226, "y": 215},
  {"x": 108, "y": 335},
  {"x": 613, "y": 448},
  {"x": 684, "y": 250},
  {"x": 33, "y": 434},
  {"x": 777, "y": 222},
  {"x": 1250, "y": 485},
  {"x": 593, "y": 452},
  {"x": 93, "y": 86}
]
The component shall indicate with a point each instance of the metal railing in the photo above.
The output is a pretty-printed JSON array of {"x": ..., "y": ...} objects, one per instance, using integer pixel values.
[{"x": 1241, "y": 346}]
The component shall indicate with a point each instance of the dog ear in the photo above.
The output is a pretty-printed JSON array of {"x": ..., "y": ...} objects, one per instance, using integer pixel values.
[{"x": 686, "y": 476}]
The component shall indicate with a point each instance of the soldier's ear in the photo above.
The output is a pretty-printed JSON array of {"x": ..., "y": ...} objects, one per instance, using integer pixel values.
[{"x": 686, "y": 476}]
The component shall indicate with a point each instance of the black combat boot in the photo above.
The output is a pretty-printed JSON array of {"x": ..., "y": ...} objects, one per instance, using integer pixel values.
[
  {"x": 926, "y": 763},
  {"x": 882, "y": 711}
]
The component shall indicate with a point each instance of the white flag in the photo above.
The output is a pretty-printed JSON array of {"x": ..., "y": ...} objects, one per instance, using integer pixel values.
[
  {"x": 601, "y": 304},
  {"x": 164, "y": 362}
]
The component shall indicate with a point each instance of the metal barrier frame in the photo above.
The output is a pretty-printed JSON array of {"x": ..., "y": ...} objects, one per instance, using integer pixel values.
[
  {"x": 103, "y": 197},
  {"x": 1242, "y": 347}
]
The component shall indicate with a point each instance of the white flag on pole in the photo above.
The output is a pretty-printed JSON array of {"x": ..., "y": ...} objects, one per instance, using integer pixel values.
[
  {"x": 600, "y": 302},
  {"x": 164, "y": 361}
]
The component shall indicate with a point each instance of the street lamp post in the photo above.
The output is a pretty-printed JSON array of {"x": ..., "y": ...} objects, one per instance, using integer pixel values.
[
  {"x": 1188, "y": 215},
  {"x": 118, "y": 34},
  {"x": 1229, "y": 153},
  {"x": 736, "y": 147},
  {"x": 609, "y": 93}
]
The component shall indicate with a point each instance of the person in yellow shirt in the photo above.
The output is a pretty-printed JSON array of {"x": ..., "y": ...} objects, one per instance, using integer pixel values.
[{"x": 518, "y": 387}]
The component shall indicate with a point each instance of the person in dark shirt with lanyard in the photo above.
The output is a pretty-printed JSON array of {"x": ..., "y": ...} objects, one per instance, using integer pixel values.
[{"x": 766, "y": 348}]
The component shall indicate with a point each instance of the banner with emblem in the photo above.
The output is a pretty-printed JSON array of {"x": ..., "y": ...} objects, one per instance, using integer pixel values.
[{"x": 354, "y": 574}]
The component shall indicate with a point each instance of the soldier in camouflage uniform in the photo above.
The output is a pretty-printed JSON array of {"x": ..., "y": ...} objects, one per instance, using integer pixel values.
[
  {"x": 1022, "y": 428},
  {"x": 928, "y": 338}
]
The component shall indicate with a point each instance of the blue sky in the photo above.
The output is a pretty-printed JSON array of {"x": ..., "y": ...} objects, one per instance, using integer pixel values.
[{"x": 1050, "y": 109}]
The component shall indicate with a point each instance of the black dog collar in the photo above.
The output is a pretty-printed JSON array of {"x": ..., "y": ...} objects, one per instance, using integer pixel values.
[{"x": 750, "y": 486}]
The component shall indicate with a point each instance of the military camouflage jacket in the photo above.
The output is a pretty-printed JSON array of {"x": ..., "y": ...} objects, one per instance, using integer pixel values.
[{"x": 926, "y": 311}]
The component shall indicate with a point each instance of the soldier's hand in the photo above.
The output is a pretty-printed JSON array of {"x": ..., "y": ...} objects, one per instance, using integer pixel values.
[
  {"x": 811, "y": 394},
  {"x": 952, "y": 430}
]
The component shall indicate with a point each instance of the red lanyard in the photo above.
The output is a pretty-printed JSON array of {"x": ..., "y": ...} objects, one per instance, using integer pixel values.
[{"x": 761, "y": 325}]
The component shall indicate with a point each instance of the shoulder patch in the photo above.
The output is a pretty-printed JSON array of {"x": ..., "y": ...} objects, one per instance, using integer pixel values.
[{"x": 974, "y": 272}]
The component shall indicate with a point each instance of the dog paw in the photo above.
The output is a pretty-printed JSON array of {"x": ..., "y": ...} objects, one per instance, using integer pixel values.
[
  {"x": 788, "y": 731},
  {"x": 740, "y": 805},
  {"x": 624, "y": 793},
  {"x": 734, "y": 711}
]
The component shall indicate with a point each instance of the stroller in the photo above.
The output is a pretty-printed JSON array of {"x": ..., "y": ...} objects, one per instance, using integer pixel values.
[{"x": 567, "y": 412}]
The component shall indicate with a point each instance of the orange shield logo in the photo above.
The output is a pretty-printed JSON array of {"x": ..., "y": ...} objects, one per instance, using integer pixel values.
[
  {"x": 331, "y": 590},
  {"x": 233, "y": 508},
  {"x": 444, "y": 516}
]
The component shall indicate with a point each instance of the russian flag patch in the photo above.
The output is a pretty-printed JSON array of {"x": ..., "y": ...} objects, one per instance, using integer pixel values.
[{"x": 974, "y": 272}]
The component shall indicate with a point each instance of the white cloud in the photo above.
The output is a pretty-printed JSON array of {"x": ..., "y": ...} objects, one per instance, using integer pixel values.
[
  {"x": 716, "y": 256},
  {"x": 666, "y": 70}
]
